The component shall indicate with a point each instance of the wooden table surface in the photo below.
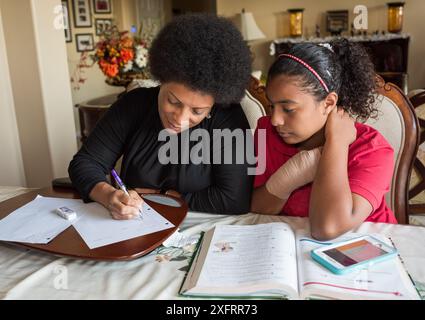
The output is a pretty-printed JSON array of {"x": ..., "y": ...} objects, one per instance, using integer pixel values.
[{"x": 70, "y": 243}]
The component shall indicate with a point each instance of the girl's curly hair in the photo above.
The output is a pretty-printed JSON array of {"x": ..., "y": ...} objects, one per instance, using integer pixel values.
[
  {"x": 204, "y": 52},
  {"x": 346, "y": 69}
]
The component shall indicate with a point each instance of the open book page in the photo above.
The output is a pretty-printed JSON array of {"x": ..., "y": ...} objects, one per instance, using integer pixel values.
[
  {"x": 384, "y": 280},
  {"x": 244, "y": 260}
]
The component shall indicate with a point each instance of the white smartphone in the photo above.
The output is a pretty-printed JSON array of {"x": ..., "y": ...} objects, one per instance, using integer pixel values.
[{"x": 346, "y": 256}]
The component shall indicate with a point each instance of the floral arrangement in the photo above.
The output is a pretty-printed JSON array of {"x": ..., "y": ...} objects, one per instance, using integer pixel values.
[{"x": 120, "y": 56}]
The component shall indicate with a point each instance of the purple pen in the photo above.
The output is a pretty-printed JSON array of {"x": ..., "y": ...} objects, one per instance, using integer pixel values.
[
  {"x": 122, "y": 186},
  {"x": 119, "y": 181}
]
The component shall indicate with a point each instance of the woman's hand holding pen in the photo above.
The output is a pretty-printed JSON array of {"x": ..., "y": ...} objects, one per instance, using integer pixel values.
[
  {"x": 121, "y": 206},
  {"x": 124, "y": 207}
]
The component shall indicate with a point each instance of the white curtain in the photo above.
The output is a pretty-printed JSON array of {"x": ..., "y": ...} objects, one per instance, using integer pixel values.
[{"x": 150, "y": 15}]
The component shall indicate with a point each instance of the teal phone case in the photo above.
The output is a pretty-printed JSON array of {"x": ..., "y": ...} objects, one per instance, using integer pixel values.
[{"x": 356, "y": 266}]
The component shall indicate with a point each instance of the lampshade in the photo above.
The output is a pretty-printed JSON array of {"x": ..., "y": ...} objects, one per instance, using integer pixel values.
[{"x": 249, "y": 28}]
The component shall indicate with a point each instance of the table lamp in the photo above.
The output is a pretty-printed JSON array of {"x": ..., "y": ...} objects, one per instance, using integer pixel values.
[{"x": 250, "y": 30}]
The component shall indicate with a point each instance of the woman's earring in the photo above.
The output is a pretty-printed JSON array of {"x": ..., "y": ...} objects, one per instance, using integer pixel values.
[{"x": 208, "y": 116}]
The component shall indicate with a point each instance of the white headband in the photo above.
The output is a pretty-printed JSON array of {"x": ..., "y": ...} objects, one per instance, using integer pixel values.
[{"x": 327, "y": 46}]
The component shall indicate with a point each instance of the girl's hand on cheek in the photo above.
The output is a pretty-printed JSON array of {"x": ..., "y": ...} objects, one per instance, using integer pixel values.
[{"x": 340, "y": 127}]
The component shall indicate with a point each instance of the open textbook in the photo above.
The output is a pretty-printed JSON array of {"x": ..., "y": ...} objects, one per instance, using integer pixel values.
[{"x": 271, "y": 261}]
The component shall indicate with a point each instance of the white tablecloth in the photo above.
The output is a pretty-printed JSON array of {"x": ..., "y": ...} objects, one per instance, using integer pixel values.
[{"x": 29, "y": 274}]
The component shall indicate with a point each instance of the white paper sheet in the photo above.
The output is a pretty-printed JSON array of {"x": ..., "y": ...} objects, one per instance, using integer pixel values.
[
  {"x": 36, "y": 222},
  {"x": 98, "y": 229},
  {"x": 179, "y": 240}
]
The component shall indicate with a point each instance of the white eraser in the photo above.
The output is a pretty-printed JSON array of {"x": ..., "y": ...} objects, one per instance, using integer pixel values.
[{"x": 66, "y": 213}]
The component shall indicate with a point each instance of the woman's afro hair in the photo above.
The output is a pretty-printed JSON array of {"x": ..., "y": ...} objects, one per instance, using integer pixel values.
[{"x": 204, "y": 52}]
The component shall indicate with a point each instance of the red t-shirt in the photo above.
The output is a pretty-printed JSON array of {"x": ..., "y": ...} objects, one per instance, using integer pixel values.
[{"x": 370, "y": 170}]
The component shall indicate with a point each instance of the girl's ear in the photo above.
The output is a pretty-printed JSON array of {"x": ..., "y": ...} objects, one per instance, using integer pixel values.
[{"x": 330, "y": 103}]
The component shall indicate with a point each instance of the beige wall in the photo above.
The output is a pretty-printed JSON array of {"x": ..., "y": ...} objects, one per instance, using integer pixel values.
[
  {"x": 272, "y": 19},
  {"x": 124, "y": 13},
  {"x": 95, "y": 85},
  {"x": 414, "y": 24},
  {"x": 41, "y": 93},
  {"x": 26, "y": 88},
  {"x": 55, "y": 88},
  {"x": 12, "y": 169}
]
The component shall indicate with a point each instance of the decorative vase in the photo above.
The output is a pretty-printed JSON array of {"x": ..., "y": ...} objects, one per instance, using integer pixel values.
[
  {"x": 296, "y": 22},
  {"x": 395, "y": 16}
]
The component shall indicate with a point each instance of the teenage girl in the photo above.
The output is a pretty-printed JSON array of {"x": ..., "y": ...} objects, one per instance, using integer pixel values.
[{"x": 319, "y": 161}]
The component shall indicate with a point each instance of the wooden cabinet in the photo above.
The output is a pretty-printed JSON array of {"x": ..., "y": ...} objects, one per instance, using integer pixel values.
[{"x": 91, "y": 111}]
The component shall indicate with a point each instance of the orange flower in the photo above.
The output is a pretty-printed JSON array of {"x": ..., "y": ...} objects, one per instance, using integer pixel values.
[
  {"x": 111, "y": 70},
  {"x": 113, "y": 52},
  {"x": 102, "y": 63},
  {"x": 100, "y": 53},
  {"x": 126, "y": 55},
  {"x": 127, "y": 42}
]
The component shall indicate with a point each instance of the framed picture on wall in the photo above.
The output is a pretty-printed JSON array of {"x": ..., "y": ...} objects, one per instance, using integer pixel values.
[
  {"x": 84, "y": 42},
  {"x": 66, "y": 21},
  {"x": 336, "y": 22},
  {"x": 102, "y": 6},
  {"x": 82, "y": 13},
  {"x": 102, "y": 25}
]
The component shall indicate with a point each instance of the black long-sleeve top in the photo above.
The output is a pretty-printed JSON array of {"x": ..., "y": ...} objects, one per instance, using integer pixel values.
[{"x": 130, "y": 128}]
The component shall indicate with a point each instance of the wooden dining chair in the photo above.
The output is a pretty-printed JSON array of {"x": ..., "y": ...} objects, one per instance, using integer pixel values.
[
  {"x": 416, "y": 193},
  {"x": 398, "y": 123}
]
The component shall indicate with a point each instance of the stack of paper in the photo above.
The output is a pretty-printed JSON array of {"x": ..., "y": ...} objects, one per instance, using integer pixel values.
[{"x": 37, "y": 222}]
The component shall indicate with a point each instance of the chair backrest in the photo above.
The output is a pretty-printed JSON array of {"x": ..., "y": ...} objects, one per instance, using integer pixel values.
[
  {"x": 254, "y": 103},
  {"x": 253, "y": 109},
  {"x": 417, "y": 182},
  {"x": 258, "y": 92},
  {"x": 398, "y": 123}
]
